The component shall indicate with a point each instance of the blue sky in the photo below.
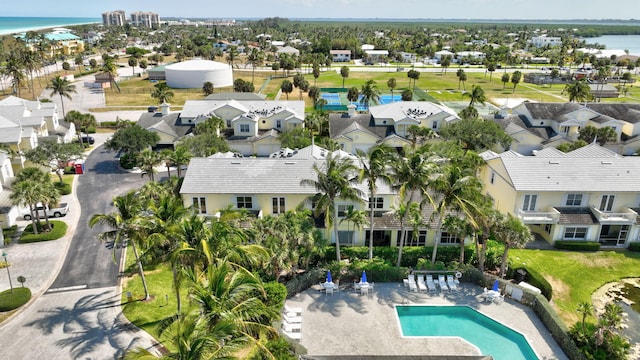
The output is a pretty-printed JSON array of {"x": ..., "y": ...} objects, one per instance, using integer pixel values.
[{"x": 428, "y": 9}]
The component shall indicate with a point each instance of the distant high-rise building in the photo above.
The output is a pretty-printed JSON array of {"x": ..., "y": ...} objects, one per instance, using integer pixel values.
[
  {"x": 114, "y": 18},
  {"x": 145, "y": 19}
]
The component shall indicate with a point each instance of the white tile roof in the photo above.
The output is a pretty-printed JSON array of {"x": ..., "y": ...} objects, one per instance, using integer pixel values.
[{"x": 410, "y": 109}]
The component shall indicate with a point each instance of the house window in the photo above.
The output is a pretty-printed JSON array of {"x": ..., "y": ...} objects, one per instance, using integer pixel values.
[
  {"x": 278, "y": 205},
  {"x": 446, "y": 238},
  {"x": 244, "y": 202},
  {"x": 547, "y": 228},
  {"x": 228, "y": 123},
  {"x": 244, "y": 128},
  {"x": 606, "y": 204},
  {"x": 574, "y": 200},
  {"x": 410, "y": 240},
  {"x": 529, "y": 202},
  {"x": 200, "y": 205},
  {"x": 575, "y": 233},
  {"x": 346, "y": 237},
  {"x": 342, "y": 210},
  {"x": 278, "y": 124},
  {"x": 376, "y": 203},
  {"x": 493, "y": 177},
  {"x": 434, "y": 125}
]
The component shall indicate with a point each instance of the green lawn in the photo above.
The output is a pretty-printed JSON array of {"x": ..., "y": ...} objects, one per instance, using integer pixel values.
[
  {"x": 147, "y": 314},
  {"x": 574, "y": 276}
]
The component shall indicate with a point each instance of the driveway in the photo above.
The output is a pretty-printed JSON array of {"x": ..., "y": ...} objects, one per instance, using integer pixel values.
[{"x": 79, "y": 315}]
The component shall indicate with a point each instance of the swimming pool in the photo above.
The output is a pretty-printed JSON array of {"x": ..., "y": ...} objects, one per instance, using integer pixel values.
[
  {"x": 491, "y": 337},
  {"x": 384, "y": 99}
]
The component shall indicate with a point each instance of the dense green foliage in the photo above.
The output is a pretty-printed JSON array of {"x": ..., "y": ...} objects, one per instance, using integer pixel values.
[{"x": 534, "y": 278}]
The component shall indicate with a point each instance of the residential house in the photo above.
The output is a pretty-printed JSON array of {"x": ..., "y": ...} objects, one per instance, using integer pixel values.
[
  {"x": 589, "y": 194},
  {"x": 376, "y": 55},
  {"x": 8, "y": 211},
  {"x": 252, "y": 126},
  {"x": 287, "y": 50},
  {"x": 272, "y": 186},
  {"x": 544, "y": 40},
  {"x": 388, "y": 123},
  {"x": 61, "y": 41},
  {"x": 340, "y": 55}
]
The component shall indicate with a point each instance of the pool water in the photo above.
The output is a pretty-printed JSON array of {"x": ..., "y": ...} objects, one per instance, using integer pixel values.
[
  {"x": 384, "y": 99},
  {"x": 491, "y": 337}
]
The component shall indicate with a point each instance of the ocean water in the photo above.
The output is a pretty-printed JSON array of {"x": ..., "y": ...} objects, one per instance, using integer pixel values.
[
  {"x": 618, "y": 42},
  {"x": 11, "y": 25}
]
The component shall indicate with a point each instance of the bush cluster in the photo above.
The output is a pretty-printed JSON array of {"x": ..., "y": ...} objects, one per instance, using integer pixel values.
[
  {"x": 128, "y": 161},
  {"x": 63, "y": 188},
  {"x": 556, "y": 327},
  {"x": 577, "y": 245},
  {"x": 58, "y": 231},
  {"x": 635, "y": 246}
]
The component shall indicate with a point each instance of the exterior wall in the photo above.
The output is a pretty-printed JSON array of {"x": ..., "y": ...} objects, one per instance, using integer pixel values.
[
  {"x": 238, "y": 124},
  {"x": 6, "y": 172},
  {"x": 357, "y": 140},
  {"x": 500, "y": 190},
  {"x": 193, "y": 79},
  {"x": 266, "y": 146}
]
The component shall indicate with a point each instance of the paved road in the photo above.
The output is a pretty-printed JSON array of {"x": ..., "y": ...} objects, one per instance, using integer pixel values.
[{"x": 89, "y": 263}]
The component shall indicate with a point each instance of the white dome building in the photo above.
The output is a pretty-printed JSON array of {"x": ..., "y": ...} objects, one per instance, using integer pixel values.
[{"x": 193, "y": 74}]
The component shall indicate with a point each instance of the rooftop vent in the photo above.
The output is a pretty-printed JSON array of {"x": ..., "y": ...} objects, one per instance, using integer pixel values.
[
  {"x": 606, "y": 162},
  {"x": 554, "y": 162}
]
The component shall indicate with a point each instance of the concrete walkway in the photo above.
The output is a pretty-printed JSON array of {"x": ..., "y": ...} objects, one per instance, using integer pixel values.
[{"x": 348, "y": 323}]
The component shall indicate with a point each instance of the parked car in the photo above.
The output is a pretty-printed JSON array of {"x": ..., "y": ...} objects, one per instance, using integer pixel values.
[
  {"x": 43, "y": 211},
  {"x": 88, "y": 139}
]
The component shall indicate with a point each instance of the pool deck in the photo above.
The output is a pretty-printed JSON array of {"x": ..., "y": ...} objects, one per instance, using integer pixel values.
[{"x": 348, "y": 323}]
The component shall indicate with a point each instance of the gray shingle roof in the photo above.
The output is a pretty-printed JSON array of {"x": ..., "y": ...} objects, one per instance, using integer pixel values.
[
  {"x": 573, "y": 173},
  {"x": 576, "y": 216},
  {"x": 339, "y": 123}
]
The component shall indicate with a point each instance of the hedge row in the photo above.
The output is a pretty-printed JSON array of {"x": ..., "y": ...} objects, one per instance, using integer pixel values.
[
  {"x": 63, "y": 188},
  {"x": 556, "y": 327},
  {"x": 534, "y": 278},
  {"x": 577, "y": 245},
  {"x": 634, "y": 246},
  {"x": 58, "y": 231}
]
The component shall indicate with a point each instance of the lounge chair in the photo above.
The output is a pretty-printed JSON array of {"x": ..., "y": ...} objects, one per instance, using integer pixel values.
[
  {"x": 328, "y": 291},
  {"x": 431, "y": 285},
  {"x": 421, "y": 285},
  {"x": 291, "y": 319},
  {"x": 364, "y": 290},
  {"x": 405, "y": 282},
  {"x": 443, "y": 283},
  {"x": 451, "y": 283},
  {"x": 292, "y": 311},
  {"x": 293, "y": 335},
  {"x": 413, "y": 286},
  {"x": 297, "y": 327}
]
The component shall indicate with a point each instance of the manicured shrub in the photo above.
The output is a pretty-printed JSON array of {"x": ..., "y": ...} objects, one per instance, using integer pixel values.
[
  {"x": 9, "y": 233},
  {"x": 63, "y": 188},
  {"x": 91, "y": 130},
  {"x": 556, "y": 327},
  {"x": 276, "y": 294},
  {"x": 577, "y": 245},
  {"x": 69, "y": 170},
  {"x": 635, "y": 246},
  {"x": 58, "y": 231},
  {"x": 127, "y": 161},
  {"x": 12, "y": 300},
  {"x": 108, "y": 124}
]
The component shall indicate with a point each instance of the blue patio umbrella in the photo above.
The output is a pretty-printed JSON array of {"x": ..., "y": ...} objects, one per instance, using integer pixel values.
[
  {"x": 364, "y": 277},
  {"x": 496, "y": 285},
  {"x": 329, "y": 276}
]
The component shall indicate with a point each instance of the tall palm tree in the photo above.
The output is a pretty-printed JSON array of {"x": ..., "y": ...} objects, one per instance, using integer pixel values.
[
  {"x": 412, "y": 175},
  {"x": 124, "y": 226},
  {"x": 232, "y": 56},
  {"x": 25, "y": 193},
  {"x": 391, "y": 84},
  {"x": 460, "y": 228},
  {"x": 476, "y": 95},
  {"x": 181, "y": 156},
  {"x": 344, "y": 73},
  {"x": 33, "y": 188},
  {"x": 373, "y": 168},
  {"x": 148, "y": 160},
  {"x": 370, "y": 93},
  {"x": 454, "y": 189},
  {"x": 514, "y": 234},
  {"x": 255, "y": 58},
  {"x": 334, "y": 180},
  {"x": 14, "y": 68},
  {"x": 578, "y": 91},
  {"x": 62, "y": 87}
]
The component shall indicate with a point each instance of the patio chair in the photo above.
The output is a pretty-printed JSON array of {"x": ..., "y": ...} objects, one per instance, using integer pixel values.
[
  {"x": 431, "y": 286},
  {"x": 364, "y": 290},
  {"x": 405, "y": 282},
  {"x": 291, "y": 319},
  {"x": 421, "y": 285},
  {"x": 293, "y": 335},
  {"x": 498, "y": 299},
  {"x": 413, "y": 286},
  {"x": 443, "y": 283},
  {"x": 451, "y": 283},
  {"x": 328, "y": 291},
  {"x": 292, "y": 311},
  {"x": 297, "y": 327}
]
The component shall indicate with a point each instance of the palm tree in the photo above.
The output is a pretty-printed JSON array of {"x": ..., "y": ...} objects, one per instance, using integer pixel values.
[
  {"x": 82, "y": 122},
  {"x": 335, "y": 180},
  {"x": 147, "y": 161},
  {"x": 26, "y": 193},
  {"x": 344, "y": 72},
  {"x": 455, "y": 187},
  {"x": 356, "y": 217},
  {"x": 514, "y": 234},
  {"x": 255, "y": 58},
  {"x": 162, "y": 92},
  {"x": 578, "y": 91},
  {"x": 370, "y": 93},
  {"x": 62, "y": 87},
  {"x": 33, "y": 188},
  {"x": 14, "y": 68},
  {"x": 461, "y": 228},
  {"x": 484, "y": 216},
  {"x": 207, "y": 88},
  {"x": 133, "y": 62},
  {"x": 124, "y": 226},
  {"x": 476, "y": 95},
  {"x": 232, "y": 55},
  {"x": 391, "y": 84},
  {"x": 585, "y": 309},
  {"x": 419, "y": 134},
  {"x": 373, "y": 168},
  {"x": 110, "y": 68},
  {"x": 515, "y": 79},
  {"x": 411, "y": 175},
  {"x": 353, "y": 94},
  {"x": 286, "y": 87}
]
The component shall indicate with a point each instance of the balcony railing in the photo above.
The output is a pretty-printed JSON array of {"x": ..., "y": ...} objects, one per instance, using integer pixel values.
[
  {"x": 627, "y": 217},
  {"x": 539, "y": 217}
]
